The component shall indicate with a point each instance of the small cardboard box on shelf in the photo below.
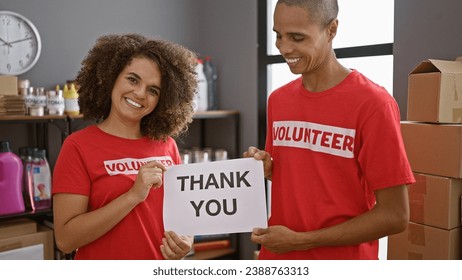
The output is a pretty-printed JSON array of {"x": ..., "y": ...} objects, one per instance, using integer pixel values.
[
  {"x": 435, "y": 92},
  {"x": 8, "y": 85}
]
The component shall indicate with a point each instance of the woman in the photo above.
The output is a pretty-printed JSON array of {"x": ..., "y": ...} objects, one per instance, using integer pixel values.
[{"x": 107, "y": 195}]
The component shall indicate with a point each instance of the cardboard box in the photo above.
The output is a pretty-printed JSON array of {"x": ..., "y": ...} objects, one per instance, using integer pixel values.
[
  {"x": 435, "y": 92},
  {"x": 17, "y": 227},
  {"x": 434, "y": 148},
  {"x": 8, "y": 85},
  {"x": 435, "y": 201},
  {"x": 34, "y": 252},
  {"x": 421, "y": 242},
  {"x": 44, "y": 236}
]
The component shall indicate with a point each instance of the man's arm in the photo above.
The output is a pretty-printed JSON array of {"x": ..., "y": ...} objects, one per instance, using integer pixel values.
[{"x": 390, "y": 215}]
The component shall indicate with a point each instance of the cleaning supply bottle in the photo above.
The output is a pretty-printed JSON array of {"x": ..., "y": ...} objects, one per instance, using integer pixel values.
[
  {"x": 71, "y": 100},
  {"x": 41, "y": 181},
  {"x": 11, "y": 171},
  {"x": 210, "y": 72},
  {"x": 26, "y": 154},
  {"x": 200, "y": 101}
]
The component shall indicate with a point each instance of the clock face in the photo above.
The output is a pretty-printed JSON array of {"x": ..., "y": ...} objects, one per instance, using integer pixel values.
[{"x": 20, "y": 44}]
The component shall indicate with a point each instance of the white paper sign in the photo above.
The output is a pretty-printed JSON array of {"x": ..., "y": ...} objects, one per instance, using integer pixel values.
[{"x": 215, "y": 197}]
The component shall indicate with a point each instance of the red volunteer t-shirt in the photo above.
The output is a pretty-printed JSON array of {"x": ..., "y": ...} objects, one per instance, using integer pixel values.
[
  {"x": 102, "y": 167},
  {"x": 330, "y": 151}
]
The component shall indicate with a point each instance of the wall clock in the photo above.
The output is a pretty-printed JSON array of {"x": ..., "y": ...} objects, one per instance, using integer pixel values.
[{"x": 20, "y": 44}]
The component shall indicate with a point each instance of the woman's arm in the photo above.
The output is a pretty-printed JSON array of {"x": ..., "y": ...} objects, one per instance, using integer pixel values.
[{"x": 74, "y": 226}]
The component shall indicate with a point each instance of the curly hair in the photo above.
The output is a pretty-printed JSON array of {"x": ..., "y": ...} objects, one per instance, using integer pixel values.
[{"x": 109, "y": 56}]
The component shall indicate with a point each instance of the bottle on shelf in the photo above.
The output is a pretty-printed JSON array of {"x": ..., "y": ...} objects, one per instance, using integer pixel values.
[
  {"x": 71, "y": 102},
  {"x": 55, "y": 102},
  {"x": 29, "y": 99},
  {"x": 210, "y": 72},
  {"x": 200, "y": 101},
  {"x": 40, "y": 102},
  {"x": 11, "y": 171},
  {"x": 40, "y": 190},
  {"x": 26, "y": 155}
]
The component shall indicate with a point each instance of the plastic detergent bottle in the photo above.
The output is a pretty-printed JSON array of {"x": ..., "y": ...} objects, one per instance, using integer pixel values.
[
  {"x": 26, "y": 154},
  {"x": 11, "y": 170},
  {"x": 71, "y": 100},
  {"x": 210, "y": 72},
  {"x": 41, "y": 181},
  {"x": 201, "y": 101}
]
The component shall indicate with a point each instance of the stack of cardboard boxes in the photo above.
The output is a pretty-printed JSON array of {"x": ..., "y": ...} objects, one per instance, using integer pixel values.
[{"x": 432, "y": 137}]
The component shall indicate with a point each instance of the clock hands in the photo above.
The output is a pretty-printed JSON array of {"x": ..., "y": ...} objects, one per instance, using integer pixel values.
[
  {"x": 17, "y": 41},
  {"x": 5, "y": 43}
]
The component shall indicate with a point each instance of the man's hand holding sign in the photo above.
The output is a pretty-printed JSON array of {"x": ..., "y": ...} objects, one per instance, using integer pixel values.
[{"x": 215, "y": 197}]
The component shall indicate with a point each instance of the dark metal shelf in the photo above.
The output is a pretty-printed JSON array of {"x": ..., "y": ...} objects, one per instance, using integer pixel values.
[{"x": 28, "y": 214}]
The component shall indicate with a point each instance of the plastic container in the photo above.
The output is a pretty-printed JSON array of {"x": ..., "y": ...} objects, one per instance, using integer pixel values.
[
  {"x": 29, "y": 99},
  {"x": 201, "y": 99},
  {"x": 40, "y": 189},
  {"x": 71, "y": 100},
  {"x": 39, "y": 102},
  {"x": 210, "y": 72},
  {"x": 11, "y": 171},
  {"x": 26, "y": 154},
  {"x": 55, "y": 102}
]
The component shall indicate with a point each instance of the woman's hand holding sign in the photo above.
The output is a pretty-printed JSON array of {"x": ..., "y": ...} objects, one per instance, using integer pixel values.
[
  {"x": 149, "y": 176},
  {"x": 175, "y": 247}
]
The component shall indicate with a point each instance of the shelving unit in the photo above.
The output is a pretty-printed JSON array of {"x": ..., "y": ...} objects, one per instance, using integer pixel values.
[
  {"x": 39, "y": 126},
  {"x": 214, "y": 254},
  {"x": 203, "y": 120},
  {"x": 202, "y": 117},
  {"x": 37, "y": 214},
  {"x": 68, "y": 124}
]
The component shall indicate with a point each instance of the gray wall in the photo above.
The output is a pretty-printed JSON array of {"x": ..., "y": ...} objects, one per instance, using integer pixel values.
[
  {"x": 423, "y": 29},
  {"x": 225, "y": 30},
  {"x": 68, "y": 28},
  {"x": 209, "y": 27}
]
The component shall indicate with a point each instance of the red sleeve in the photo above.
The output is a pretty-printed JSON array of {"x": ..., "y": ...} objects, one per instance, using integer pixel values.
[
  {"x": 269, "y": 128},
  {"x": 176, "y": 153},
  {"x": 382, "y": 155},
  {"x": 70, "y": 175}
]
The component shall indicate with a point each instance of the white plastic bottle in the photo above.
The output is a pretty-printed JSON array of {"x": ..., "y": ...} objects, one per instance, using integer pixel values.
[
  {"x": 55, "y": 102},
  {"x": 41, "y": 181},
  {"x": 201, "y": 102},
  {"x": 210, "y": 72},
  {"x": 29, "y": 99}
]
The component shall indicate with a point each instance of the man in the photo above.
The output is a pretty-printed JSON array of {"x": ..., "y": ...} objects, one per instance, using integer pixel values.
[{"x": 334, "y": 151}]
